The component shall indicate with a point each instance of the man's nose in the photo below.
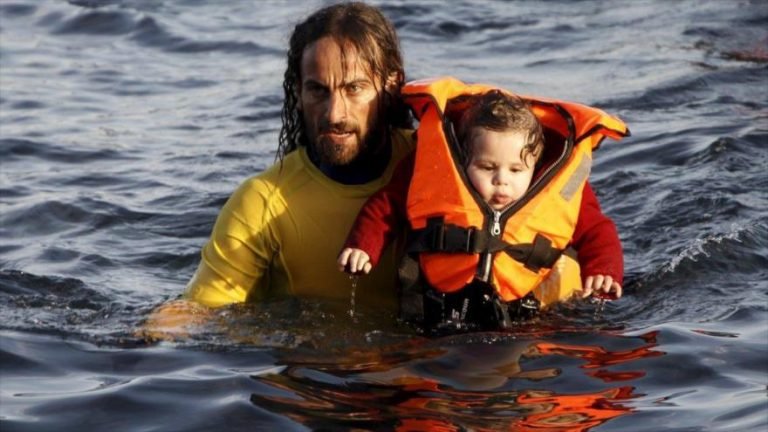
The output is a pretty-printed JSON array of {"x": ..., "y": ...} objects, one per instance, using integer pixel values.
[{"x": 337, "y": 108}]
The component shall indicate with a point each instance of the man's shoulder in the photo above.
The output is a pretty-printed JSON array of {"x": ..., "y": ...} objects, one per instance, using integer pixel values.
[
  {"x": 292, "y": 164},
  {"x": 278, "y": 180}
]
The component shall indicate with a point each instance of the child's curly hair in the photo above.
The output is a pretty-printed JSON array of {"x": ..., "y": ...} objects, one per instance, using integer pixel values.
[{"x": 500, "y": 112}]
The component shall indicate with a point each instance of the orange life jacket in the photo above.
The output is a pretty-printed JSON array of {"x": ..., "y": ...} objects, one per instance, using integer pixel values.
[{"x": 515, "y": 250}]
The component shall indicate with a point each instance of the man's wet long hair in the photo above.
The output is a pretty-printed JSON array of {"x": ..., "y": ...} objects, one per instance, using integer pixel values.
[{"x": 375, "y": 40}]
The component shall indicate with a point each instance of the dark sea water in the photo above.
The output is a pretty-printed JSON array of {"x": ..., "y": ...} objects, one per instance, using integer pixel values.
[{"x": 124, "y": 126}]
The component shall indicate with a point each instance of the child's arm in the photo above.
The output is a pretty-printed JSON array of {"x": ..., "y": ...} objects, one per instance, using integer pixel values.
[
  {"x": 599, "y": 249},
  {"x": 378, "y": 222}
]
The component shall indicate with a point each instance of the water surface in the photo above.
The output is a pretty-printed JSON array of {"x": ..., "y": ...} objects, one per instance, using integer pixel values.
[{"x": 125, "y": 125}]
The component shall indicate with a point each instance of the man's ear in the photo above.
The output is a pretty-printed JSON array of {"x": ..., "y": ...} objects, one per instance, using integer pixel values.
[{"x": 391, "y": 85}]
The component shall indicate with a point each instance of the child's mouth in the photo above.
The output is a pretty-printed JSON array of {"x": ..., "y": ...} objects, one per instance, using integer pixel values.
[{"x": 500, "y": 200}]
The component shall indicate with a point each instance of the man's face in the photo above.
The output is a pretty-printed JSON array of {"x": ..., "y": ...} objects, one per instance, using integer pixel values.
[{"x": 339, "y": 101}]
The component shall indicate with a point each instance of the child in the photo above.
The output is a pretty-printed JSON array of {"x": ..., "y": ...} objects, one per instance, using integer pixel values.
[{"x": 501, "y": 146}]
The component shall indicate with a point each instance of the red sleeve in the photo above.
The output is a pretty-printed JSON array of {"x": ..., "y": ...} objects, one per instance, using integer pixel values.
[
  {"x": 596, "y": 240},
  {"x": 380, "y": 219}
]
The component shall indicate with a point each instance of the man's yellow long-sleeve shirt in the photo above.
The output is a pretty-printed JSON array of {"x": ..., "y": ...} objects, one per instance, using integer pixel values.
[{"x": 280, "y": 232}]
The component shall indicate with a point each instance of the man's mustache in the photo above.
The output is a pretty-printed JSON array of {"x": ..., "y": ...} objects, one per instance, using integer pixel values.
[{"x": 338, "y": 128}]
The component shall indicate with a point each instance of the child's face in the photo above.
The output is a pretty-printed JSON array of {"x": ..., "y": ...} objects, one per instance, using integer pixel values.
[{"x": 496, "y": 170}]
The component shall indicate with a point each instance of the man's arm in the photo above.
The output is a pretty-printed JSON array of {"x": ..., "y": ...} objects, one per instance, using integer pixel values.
[
  {"x": 240, "y": 250},
  {"x": 234, "y": 262}
]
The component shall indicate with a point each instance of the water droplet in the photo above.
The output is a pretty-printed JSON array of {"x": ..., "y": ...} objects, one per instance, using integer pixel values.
[
  {"x": 600, "y": 306},
  {"x": 353, "y": 279}
]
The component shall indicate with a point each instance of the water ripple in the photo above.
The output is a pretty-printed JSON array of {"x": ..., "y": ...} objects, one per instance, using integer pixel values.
[
  {"x": 98, "y": 22},
  {"x": 17, "y": 9},
  {"x": 149, "y": 33},
  {"x": 13, "y": 149},
  {"x": 123, "y": 135}
]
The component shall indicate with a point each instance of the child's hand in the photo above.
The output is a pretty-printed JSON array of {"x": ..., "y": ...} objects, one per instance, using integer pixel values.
[
  {"x": 354, "y": 261},
  {"x": 601, "y": 286}
]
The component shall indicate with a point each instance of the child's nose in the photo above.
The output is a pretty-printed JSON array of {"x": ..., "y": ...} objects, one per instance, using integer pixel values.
[{"x": 500, "y": 178}]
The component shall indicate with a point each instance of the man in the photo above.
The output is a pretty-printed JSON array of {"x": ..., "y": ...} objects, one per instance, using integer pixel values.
[{"x": 280, "y": 232}]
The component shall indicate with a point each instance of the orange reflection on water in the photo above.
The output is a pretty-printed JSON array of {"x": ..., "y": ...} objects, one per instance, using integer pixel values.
[
  {"x": 599, "y": 357},
  {"x": 579, "y": 412},
  {"x": 525, "y": 411},
  {"x": 472, "y": 386}
]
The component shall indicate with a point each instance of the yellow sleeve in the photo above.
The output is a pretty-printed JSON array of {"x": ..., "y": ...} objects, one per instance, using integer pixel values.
[{"x": 237, "y": 258}]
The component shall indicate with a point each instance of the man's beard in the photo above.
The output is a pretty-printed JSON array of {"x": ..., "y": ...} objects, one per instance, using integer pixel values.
[{"x": 333, "y": 154}]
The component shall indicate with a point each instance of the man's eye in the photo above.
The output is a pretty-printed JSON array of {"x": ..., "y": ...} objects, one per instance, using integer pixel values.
[
  {"x": 354, "y": 88},
  {"x": 316, "y": 91}
]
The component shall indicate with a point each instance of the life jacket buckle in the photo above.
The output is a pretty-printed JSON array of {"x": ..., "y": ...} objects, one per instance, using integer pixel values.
[
  {"x": 443, "y": 237},
  {"x": 438, "y": 237},
  {"x": 470, "y": 240},
  {"x": 436, "y": 234},
  {"x": 542, "y": 254}
]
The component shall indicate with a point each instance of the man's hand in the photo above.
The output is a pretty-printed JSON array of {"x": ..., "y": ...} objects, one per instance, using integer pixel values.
[{"x": 174, "y": 320}]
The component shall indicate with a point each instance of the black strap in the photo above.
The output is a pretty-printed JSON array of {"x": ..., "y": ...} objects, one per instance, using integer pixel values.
[
  {"x": 535, "y": 256},
  {"x": 441, "y": 237},
  {"x": 438, "y": 236}
]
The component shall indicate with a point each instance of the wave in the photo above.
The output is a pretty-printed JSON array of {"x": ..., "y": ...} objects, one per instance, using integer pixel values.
[
  {"x": 16, "y": 10},
  {"x": 68, "y": 308},
  {"x": 149, "y": 33},
  {"x": 55, "y": 216},
  {"x": 741, "y": 251},
  {"x": 17, "y": 149},
  {"x": 98, "y": 23},
  {"x": 696, "y": 280},
  {"x": 32, "y": 301},
  {"x": 146, "y": 31}
]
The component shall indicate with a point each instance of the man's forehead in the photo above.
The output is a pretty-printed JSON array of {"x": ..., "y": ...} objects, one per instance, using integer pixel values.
[{"x": 340, "y": 59}]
